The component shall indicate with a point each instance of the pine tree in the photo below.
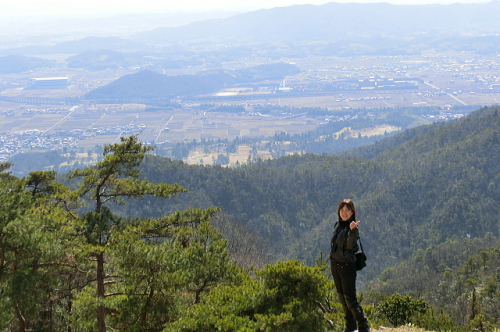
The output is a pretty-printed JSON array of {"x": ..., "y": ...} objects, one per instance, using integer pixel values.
[
  {"x": 131, "y": 256},
  {"x": 33, "y": 241}
]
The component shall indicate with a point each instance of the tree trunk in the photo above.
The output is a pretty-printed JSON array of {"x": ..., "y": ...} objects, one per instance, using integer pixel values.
[
  {"x": 145, "y": 313},
  {"x": 2, "y": 257},
  {"x": 14, "y": 265},
  {"x": 19, "y": 314},
  {"x": 70, "y": 307},
  {"x": 101, "y": 310},
  {"x": 22, "y": 320}
]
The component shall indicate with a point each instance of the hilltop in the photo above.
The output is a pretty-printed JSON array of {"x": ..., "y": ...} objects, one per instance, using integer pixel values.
[{"x": 148, "y": 86}]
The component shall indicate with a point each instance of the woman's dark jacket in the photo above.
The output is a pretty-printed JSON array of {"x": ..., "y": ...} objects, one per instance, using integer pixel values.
[{"x": 344, "y": 243}]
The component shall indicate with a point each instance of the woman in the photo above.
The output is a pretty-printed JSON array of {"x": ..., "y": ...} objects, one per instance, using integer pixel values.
[{"x": 343, "y": 263}]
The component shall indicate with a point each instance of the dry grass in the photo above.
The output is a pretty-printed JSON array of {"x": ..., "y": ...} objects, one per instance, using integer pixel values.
[{"x": 399, "y": 329}]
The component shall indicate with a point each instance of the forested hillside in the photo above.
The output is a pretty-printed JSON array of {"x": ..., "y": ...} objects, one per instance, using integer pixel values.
[
  {"x": 438, "y": 182},
  {"x": 456, "y": 275},
  {"x": 72, "y": 256},
  {"x": 64, "y": 267}
]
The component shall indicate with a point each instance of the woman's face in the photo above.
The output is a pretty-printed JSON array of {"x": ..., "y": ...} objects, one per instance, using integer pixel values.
[{"x": 345, "y": 213}]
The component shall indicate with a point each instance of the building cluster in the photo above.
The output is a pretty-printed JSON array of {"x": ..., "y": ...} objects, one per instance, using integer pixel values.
[
  {"x": 464, "y": 72},
  {"x": 15, "y": 142},
  {"x": 444, "y": 116},
  {"x": 44, "y": 111},
  {"x": 129, "y": 129},
  {"x": 47, "y": 83}
]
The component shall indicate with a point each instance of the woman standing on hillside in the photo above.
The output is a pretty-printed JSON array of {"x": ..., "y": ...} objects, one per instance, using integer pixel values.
[{"x": 343, "y": 263}]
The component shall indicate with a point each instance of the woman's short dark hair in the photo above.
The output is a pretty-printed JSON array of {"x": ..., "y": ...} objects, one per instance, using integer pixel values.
[{"x": 350, "y": 205}]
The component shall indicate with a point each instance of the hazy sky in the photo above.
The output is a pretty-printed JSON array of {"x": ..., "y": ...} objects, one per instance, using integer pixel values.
[{"x": 50, "y": 8}]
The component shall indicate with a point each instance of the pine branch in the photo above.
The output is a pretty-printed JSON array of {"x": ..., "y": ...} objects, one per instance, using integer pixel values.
[{"x": 60, "y": 264}]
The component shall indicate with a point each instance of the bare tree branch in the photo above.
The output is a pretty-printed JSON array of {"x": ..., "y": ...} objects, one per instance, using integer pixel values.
[{"x": 325, "y": 310}]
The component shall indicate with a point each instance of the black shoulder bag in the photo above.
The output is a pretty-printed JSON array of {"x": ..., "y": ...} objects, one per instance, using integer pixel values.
[{"x": 360, "y": 257}]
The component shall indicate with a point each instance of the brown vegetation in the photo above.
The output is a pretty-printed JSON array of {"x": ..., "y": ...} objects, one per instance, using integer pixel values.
[{"x": 399, "y": 329}]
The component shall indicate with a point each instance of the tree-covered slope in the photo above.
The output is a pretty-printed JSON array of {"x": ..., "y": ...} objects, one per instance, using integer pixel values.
[
  {"x": 444, "y": 184},
  {"x": 373, "y": 150},
  {"x": 447, "y": 275},
  {"x": 428, "y": 209},
  {"x": 440, "y": 184}
]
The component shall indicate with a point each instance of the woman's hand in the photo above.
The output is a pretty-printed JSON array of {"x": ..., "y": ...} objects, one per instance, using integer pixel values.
[{"x": 354, "y": 224}]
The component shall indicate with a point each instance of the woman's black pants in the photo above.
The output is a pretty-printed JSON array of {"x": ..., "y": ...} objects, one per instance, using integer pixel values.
[{"x": 344, "y": 276}]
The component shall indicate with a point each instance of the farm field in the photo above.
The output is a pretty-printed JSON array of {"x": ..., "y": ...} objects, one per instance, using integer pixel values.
[
  {"x": 89, "y": 125},
  {"x": 443, "y": 81},
  {"x": 85, "y": 126}
]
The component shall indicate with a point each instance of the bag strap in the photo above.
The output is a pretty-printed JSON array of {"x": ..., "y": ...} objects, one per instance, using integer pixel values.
[{"x": 360, "y": 244}]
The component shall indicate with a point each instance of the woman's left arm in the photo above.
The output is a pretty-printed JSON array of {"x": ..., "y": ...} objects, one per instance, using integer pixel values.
[{"x": 353, "y": 237}]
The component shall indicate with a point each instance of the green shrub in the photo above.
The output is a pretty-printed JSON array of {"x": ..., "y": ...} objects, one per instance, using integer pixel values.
[
  {"x": 399, "y": 309},
  {"x": 440, "y": 323}
]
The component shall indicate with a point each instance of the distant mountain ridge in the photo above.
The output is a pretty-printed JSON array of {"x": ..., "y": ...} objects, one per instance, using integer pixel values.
[
  {"x": 18, "y": 63},
  {"x": 90, "y": 43},
  {"x": 103, "y": 59},
  {"x": 335, "y": 28},
  {"x": 336, "y": 21}
]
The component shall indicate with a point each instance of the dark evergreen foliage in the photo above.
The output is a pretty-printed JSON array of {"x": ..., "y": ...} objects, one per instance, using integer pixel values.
[
  {"x": 447, "y": 275},
  {"x": 438, "y": 183},
  {"x": 23, "y": 163}
]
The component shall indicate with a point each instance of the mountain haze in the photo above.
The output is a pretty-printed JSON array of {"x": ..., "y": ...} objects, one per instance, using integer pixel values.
[
  {"x": 18, "y": 63},
  {"x": 336, "y": 21},
  {"x": 103, "y": 59},
  {"x": 301, "y": 30},
  {"x": 89, "y": 43}
]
